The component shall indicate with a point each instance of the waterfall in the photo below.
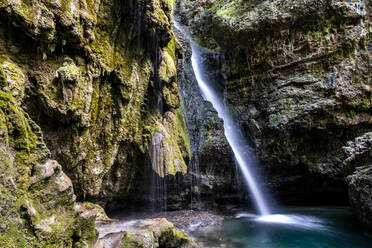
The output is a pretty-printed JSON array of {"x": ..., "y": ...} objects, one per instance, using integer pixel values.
[{"x": 242, "y": 151}]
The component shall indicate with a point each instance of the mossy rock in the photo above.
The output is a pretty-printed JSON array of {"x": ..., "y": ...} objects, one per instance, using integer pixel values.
[
  {"x": 40, "y": 212},
  {"x": 172, "y": 238},
  {"x": 132, "y": 242},
  {"x": 170, "y": 145},
  {"x": 167, "y": 69}
]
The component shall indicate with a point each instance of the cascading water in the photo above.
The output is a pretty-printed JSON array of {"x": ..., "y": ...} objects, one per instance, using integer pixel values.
[
  {"x": 243, "y": 152},
  {"x": 241, "y": 149}
]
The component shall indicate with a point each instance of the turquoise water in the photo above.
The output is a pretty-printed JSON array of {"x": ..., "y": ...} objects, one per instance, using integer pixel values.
[
  {"x": 297, "y": 228},
  {"x": 324, "y": 227}
]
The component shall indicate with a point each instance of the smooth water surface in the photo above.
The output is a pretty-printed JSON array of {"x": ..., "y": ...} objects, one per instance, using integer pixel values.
[{"x": 296, "y": 228}]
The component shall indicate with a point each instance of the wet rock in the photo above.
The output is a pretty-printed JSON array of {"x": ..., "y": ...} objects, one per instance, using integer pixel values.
[
  {"x": 141, "y": 233},
  {"x": 358, "y": 163},
  {"x": 360, "y": 194},
  {"x": 292, "y": 83},
  {"x": 211, "y": 172},
  {"x": 98, "y": 79},
  {"x": 204, "y": 226},
  {"x": 37, "y": 197},
  {"x": 112, "y": 240},
  {"x": 358, "y": 152},
  {"x": 43, "y": 171},
  {"x": 83, "y": 87},
  {"x": 166, "y": 156},
  {"x": 89, "y": 210}
]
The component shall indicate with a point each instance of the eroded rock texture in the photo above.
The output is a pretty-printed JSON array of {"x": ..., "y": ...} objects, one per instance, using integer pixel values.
[
  {"x": 84, "y": 86},
  {"x": 37, "y": 201},
  {"x": 359, "y": 157}
]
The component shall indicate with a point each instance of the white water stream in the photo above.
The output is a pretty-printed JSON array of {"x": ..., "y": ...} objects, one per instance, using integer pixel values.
[{"x": 242, "y": 151}]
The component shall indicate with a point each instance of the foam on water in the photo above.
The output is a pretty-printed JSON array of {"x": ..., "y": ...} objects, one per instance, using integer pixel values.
[
  {"x": 302, "y": 221},
  {"x": 294, "y": 220}
]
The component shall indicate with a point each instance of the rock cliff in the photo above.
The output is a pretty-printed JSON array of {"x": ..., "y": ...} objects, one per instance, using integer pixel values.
[
  {"x": 99, "y": 105},
  {"x": 298, "y": 80},
  {"x": 87, "y": 89}
]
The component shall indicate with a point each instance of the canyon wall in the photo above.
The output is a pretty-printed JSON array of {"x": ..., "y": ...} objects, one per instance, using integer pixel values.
[
  {"x": 86, "y": 86},
  {"x": 298, "y": 80}
]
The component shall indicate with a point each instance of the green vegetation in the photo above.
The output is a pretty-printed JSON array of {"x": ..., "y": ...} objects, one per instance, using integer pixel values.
[{"x": 172, "y": 238}]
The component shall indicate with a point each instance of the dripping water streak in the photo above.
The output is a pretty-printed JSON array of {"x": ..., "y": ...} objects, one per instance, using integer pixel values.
[
  {"x": 195, "y": 180},
  {"x": 159, "y": 181}
]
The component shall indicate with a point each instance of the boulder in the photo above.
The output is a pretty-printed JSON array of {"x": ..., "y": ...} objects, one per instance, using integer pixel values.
[{"x": 360, "y": 194}]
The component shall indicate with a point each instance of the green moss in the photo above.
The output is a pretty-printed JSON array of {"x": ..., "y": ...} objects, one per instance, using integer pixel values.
[
  {"x": 364, "y": 103},
  {"x": 4, "y": 99},
  {"x": 171, "y": 48},
  {"x": 132, "y": 242},
  {"x": 85, "y": 229},
  {"x": 148, "y": 131},
  {"x": 183, "y": 130},
  {"x": 27, "y": 148},
  {"x": 172, "y": 238},
  {"x": 116, "y": 53},
  {"x": 13, "y": 237},
  {"x": 167, "y": 69},
  {"x": 208, "y": 126},
  {"x": 351, "y": 114},
  {"x": 24, "y": 139},
  {"x": 170, "y": 94},
  {"x": 3, "y": 79},
  {"x": 26, "y": 10}
]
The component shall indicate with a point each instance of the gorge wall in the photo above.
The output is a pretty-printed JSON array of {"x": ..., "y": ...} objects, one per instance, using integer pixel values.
[
  {"x": 85, "y": 85},
  {"x": 98, "y": 99},
  {"x": 298, "y": 79}
]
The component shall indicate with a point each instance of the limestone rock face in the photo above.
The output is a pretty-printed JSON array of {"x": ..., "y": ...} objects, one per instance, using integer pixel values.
[
  {"x": 359, "y": 158},
  {"x": 298, "y": 79},
  {"x": 84, "y": 85},
  {"x": 37, "y": 201},
  {"x": 99, "y": 80},
  {"x": 358, "y": 152},
  {"x": 360, "y": 192}
]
